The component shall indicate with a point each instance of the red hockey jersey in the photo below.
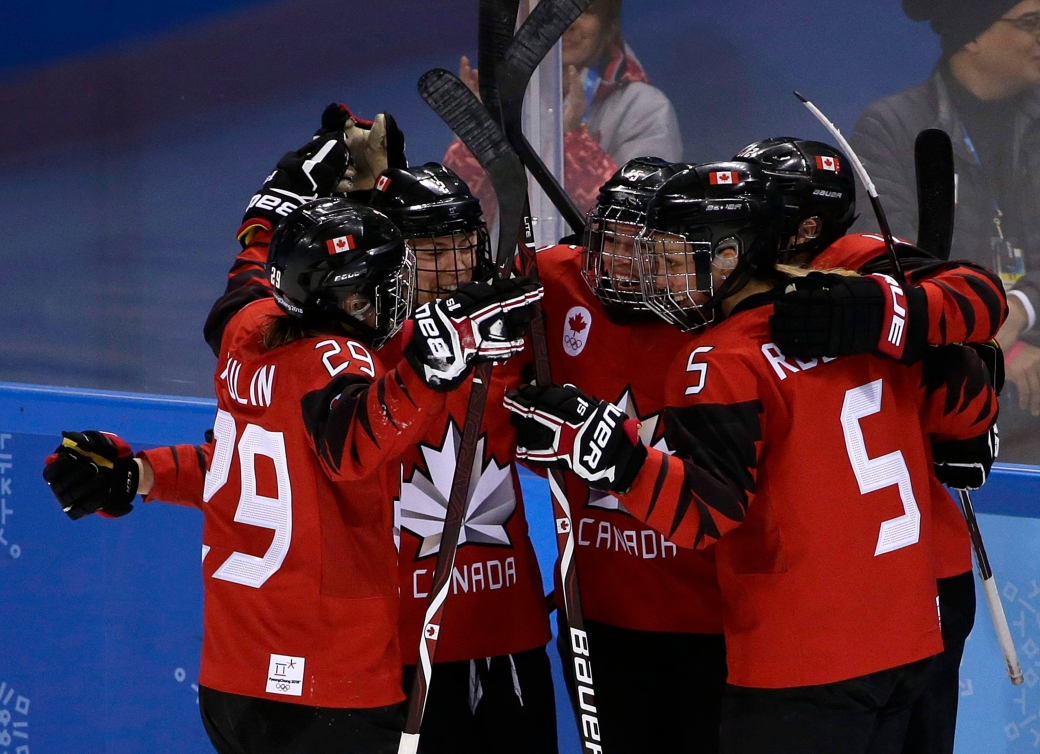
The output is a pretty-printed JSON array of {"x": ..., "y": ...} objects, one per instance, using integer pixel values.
[
  {"x": 966, "y": 304},
  {"x": 630, "y": 575},
  {"x": 299, "y": 566},
  {"x": 813, "y": 479},
  {"x": 495, "y": 605}
]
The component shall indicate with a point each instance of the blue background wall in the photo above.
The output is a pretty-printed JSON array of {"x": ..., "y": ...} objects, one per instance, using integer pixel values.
[{"x": 133, "y": 134}]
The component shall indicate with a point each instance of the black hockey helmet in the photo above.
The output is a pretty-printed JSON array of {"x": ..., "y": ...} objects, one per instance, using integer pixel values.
[
  {"x": 434, "y": 208},
  {"x": 725, "y": 216},
  {"x": 817, "y": 183},
  {"x": 609, "y": 264},
  {"x": 332, "y": 253}
]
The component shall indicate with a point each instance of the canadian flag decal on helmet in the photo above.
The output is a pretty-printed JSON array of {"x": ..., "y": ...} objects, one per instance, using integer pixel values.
[
  {"x": 383, "y": 183},
  {"x": 340, "y": 244},
  {"x": 724, "y": 178},
  {"x": 828, "y": 163}
]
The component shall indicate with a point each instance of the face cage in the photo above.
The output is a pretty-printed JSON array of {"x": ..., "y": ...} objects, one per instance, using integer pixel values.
[
  {"x": 394, "y": 298},
  {"x": 611, "y": 273},
  {"x": 449, "y": 269},
  {"x": 673, "y": 269}
]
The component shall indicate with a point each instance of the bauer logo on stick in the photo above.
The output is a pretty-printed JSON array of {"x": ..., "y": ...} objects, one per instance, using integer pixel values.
[
  {"x": 576, "y": 327},
  {"x": 340, "y": 244}
]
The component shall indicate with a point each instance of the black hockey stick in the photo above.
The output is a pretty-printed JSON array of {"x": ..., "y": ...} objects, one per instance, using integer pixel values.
[
  {"x": 936, "y": 192},
  {"x": 864, "y": 177},
  {"x": 463, "y": 112},
  {"x": 497, "y": 23},
  {"x": 542, "y": 29},
  {"x": 936, "y": 211}
]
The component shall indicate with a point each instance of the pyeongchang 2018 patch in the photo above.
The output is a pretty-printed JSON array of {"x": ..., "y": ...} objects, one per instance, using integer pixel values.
[
  {"x": 285, "y": 676},
  {"x": 576, "y": 327}
]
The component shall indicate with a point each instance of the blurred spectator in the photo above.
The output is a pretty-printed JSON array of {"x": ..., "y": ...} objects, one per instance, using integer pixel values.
[
  {"x": 611, "y": 113},
  {"x": 984, "y": 93}
]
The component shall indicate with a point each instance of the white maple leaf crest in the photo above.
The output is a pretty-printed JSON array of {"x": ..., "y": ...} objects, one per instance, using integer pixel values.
[
  {"x": 648, "y": 426},
  {"x": 423, "y": 504}
]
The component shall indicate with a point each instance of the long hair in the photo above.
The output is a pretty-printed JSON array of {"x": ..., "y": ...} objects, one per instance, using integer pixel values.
[{"x": 281, "y": 330}]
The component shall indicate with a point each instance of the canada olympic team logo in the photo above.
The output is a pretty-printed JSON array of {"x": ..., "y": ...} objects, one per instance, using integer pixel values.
[{"x": 576, "y": 327}]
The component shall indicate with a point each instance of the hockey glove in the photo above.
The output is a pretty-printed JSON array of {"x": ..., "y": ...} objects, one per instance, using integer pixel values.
[
  {"x": 835, "y": 315},
  {"x": 965, "y": 464},
  {"x": 317, "y": 169},
  {"x": 92, "y": 472},
  {"x": 561, "y": 427},
  {"x": 479, "y": 322},
  {"x": 374, "y": 146}
]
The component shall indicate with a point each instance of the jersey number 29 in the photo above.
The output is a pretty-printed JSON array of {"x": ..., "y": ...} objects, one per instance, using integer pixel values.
[{"x": 253, "y": 509}]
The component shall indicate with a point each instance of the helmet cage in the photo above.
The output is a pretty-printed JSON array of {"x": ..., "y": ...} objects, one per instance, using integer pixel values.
[
  {"x": 676, "y": 278},
  {"x": 449, "y": 258},
  {"x": 610, "y": 265}
]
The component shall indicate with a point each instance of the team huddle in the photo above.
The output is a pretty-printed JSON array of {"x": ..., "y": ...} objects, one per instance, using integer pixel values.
[{"x": 756, "y": 417}]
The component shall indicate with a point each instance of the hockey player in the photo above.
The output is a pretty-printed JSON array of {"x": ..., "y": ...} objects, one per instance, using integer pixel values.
[
  {"x": 300, "y": 648},
  {"x": 653, "y": 611},
  {"x": 957, "y": 302},
  {"x": 491, "y": 690},
  {"x": 825, "y": 565}
]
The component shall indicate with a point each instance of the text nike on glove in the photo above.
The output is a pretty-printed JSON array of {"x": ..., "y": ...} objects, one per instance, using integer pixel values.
[
  {"x": 965, "y": 464},
  {"x": 479, "y": 322},
  {"x": 561, "y": 427},
  {"x": 830, "y": 315},
  {"x": 92, "y": 472}
]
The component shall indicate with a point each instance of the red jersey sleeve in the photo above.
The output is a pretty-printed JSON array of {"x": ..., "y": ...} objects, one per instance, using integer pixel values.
[
  {"x": 180, "y": 473},
  {"x": 358, "y": 421},
  {"x": 715, "y": 429},
  {"x": 247, "y": 282},
  {"x": 966, "y": 302},
  {"x": 960, "y": 402}
]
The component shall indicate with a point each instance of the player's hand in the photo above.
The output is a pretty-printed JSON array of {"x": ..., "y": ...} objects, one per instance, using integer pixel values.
[
  {"x": 1023, "y": 369},
  {"x": 965, "y": 464},
  {"x": 479, "y": 322},
  {"x": 316, "y": 169},
  {"x": 92, "y": 472},
  {"x": 374, "y": 146},
  {"x": 835, "y": 315},
  {"x": 561, "y": 427},
  {"x": 469, "y": 76}
]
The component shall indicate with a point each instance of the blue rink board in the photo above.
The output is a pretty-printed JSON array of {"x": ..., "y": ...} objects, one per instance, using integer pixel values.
[{"x": 100, "y": 621}]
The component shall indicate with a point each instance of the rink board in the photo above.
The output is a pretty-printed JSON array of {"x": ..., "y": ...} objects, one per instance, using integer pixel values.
[{"x": 101, "y": 621}]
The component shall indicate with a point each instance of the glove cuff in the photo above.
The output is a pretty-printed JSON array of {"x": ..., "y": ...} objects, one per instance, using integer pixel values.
[{"x": 904, "y": 325}]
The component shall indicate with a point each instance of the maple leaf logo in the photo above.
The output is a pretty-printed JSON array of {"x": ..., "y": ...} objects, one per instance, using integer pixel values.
[
  {"x": 423, "y": 504},
  {"x": 576, "y": 323}
]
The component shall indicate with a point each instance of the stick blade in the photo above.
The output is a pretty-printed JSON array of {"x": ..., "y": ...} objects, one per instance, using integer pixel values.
[
  {"x": 497, "y": 22},
  {"x": 936, "y": 209},
  {"x": 469, "y": 120}
]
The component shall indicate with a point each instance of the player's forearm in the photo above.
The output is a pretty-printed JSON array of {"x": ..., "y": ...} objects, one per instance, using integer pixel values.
[
  {"x": 174, "y": 474},
  {"x": 966, "y": 304}
]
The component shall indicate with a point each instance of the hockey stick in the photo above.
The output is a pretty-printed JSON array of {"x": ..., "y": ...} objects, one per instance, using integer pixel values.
[
  {"x": 989, "y": 586},
  {"x": 864, "y": 177},
  {"x": 497, "y": 22},
  {"x": 462, "y": 111},
  {"x": 542, "y": 29},
  {"x": 933, "y": 161}
]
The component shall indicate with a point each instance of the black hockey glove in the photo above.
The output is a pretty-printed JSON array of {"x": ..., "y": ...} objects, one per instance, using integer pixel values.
[
  {"x": 561, "y": 427},
  {"x": 965, "y": 464},
  {"x": 835, "y": 315},
  {"x": 92, "y": 472},
  {"x": 992, "y": 356},
  {"x": 479, "y": 322}
]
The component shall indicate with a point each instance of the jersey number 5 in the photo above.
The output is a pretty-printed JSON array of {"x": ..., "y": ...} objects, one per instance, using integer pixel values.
[
  {"x": 875, "y": 474},
  {"x": 253, "y": 509}
]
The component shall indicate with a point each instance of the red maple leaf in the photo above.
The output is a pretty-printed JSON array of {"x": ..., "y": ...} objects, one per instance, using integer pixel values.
[{"x": 576, "y": 323}]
